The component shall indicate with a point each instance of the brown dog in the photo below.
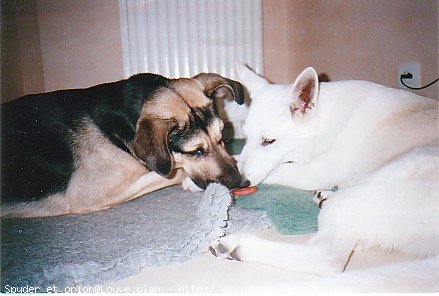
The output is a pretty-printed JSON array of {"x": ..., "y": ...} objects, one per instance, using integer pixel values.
[{"x": 85, "y": 150}]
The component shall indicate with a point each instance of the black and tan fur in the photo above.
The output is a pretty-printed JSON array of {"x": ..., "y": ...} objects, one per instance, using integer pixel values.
[{"x": 84, "y": 150}]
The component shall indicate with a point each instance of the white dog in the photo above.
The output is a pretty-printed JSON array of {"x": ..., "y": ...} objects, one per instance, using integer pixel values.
[{"x": 378, "y": 145}]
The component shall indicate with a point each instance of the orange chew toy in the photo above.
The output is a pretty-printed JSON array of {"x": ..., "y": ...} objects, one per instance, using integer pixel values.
[{"x": 244, "y": 191}]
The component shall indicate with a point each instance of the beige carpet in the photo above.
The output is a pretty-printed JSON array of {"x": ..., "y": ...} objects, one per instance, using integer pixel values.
[{"x": 369, "y": 271}]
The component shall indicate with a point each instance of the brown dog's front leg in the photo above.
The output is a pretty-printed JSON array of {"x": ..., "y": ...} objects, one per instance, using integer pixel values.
[{"x": 150, "y": 182}]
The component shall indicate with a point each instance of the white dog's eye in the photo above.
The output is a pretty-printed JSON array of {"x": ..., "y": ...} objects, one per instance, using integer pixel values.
[{"x": 266, "y": 142}]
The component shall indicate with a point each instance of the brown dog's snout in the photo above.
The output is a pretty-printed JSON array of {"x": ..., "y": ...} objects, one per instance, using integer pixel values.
[
  {"x": 232, "y": 179},
  {"x": 244, "y": 183},
  {"x": 224, "y": 172}
]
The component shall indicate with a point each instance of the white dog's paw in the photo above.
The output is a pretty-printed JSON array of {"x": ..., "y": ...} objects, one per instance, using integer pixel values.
[
  {"x": 233, "y": 247},
  {"x": 320, "y": 196},
  {"x": 189, "y": 185}
]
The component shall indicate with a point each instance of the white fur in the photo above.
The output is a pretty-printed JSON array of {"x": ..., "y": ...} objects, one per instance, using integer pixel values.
[{"x": 378, "y": 145}]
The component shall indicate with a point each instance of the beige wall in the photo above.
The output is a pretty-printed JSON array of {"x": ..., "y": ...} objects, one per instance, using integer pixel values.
[
  {"x": 51, "y": 44},
  {"x": 80, "y": 42},
  {"x": 21, "y": 68},
  {"x": 276, "y": 34},
  {"x": 355, "y": 39}
]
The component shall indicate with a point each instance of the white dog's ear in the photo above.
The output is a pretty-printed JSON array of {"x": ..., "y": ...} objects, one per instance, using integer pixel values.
[
  {"x": 252, "y": 81},
  {"x": 305, "y": 92}
]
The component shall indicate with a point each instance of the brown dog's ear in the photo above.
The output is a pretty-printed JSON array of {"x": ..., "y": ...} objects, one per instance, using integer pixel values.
[
  {"x": 151, "y": 144},
  {"x": 218, "y": 87}
]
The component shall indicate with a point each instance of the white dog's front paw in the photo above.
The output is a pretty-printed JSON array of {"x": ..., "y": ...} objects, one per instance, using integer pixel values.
[
  {"x": 232, "y": 247},
  {"x": 189, "y": 185},
  {"x": 320, "y": 196}
]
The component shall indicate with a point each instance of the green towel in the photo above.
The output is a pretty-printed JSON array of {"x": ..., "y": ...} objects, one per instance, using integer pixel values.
[{"x": 291, "y": 210}]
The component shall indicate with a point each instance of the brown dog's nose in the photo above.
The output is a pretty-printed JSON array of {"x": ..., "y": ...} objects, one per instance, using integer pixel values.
[
  {"x": 244, "y": 183},
  {"x": 231, "y": 181}
]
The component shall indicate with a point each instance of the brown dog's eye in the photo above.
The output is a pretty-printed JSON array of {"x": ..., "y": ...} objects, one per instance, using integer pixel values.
[
  {"x": 198, "y": 152},
  {"x": 266, "y": 142}
]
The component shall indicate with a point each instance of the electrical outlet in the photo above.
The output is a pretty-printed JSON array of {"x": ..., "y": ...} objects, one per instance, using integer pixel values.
[{"x": 415, "y": 69}]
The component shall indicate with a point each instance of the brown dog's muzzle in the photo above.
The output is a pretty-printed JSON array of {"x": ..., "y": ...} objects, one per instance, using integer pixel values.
[{"x": 229, "y": 177}]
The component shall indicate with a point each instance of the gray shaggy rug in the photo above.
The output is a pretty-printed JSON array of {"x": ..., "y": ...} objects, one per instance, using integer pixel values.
[{"x": 160, "y": 228}]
